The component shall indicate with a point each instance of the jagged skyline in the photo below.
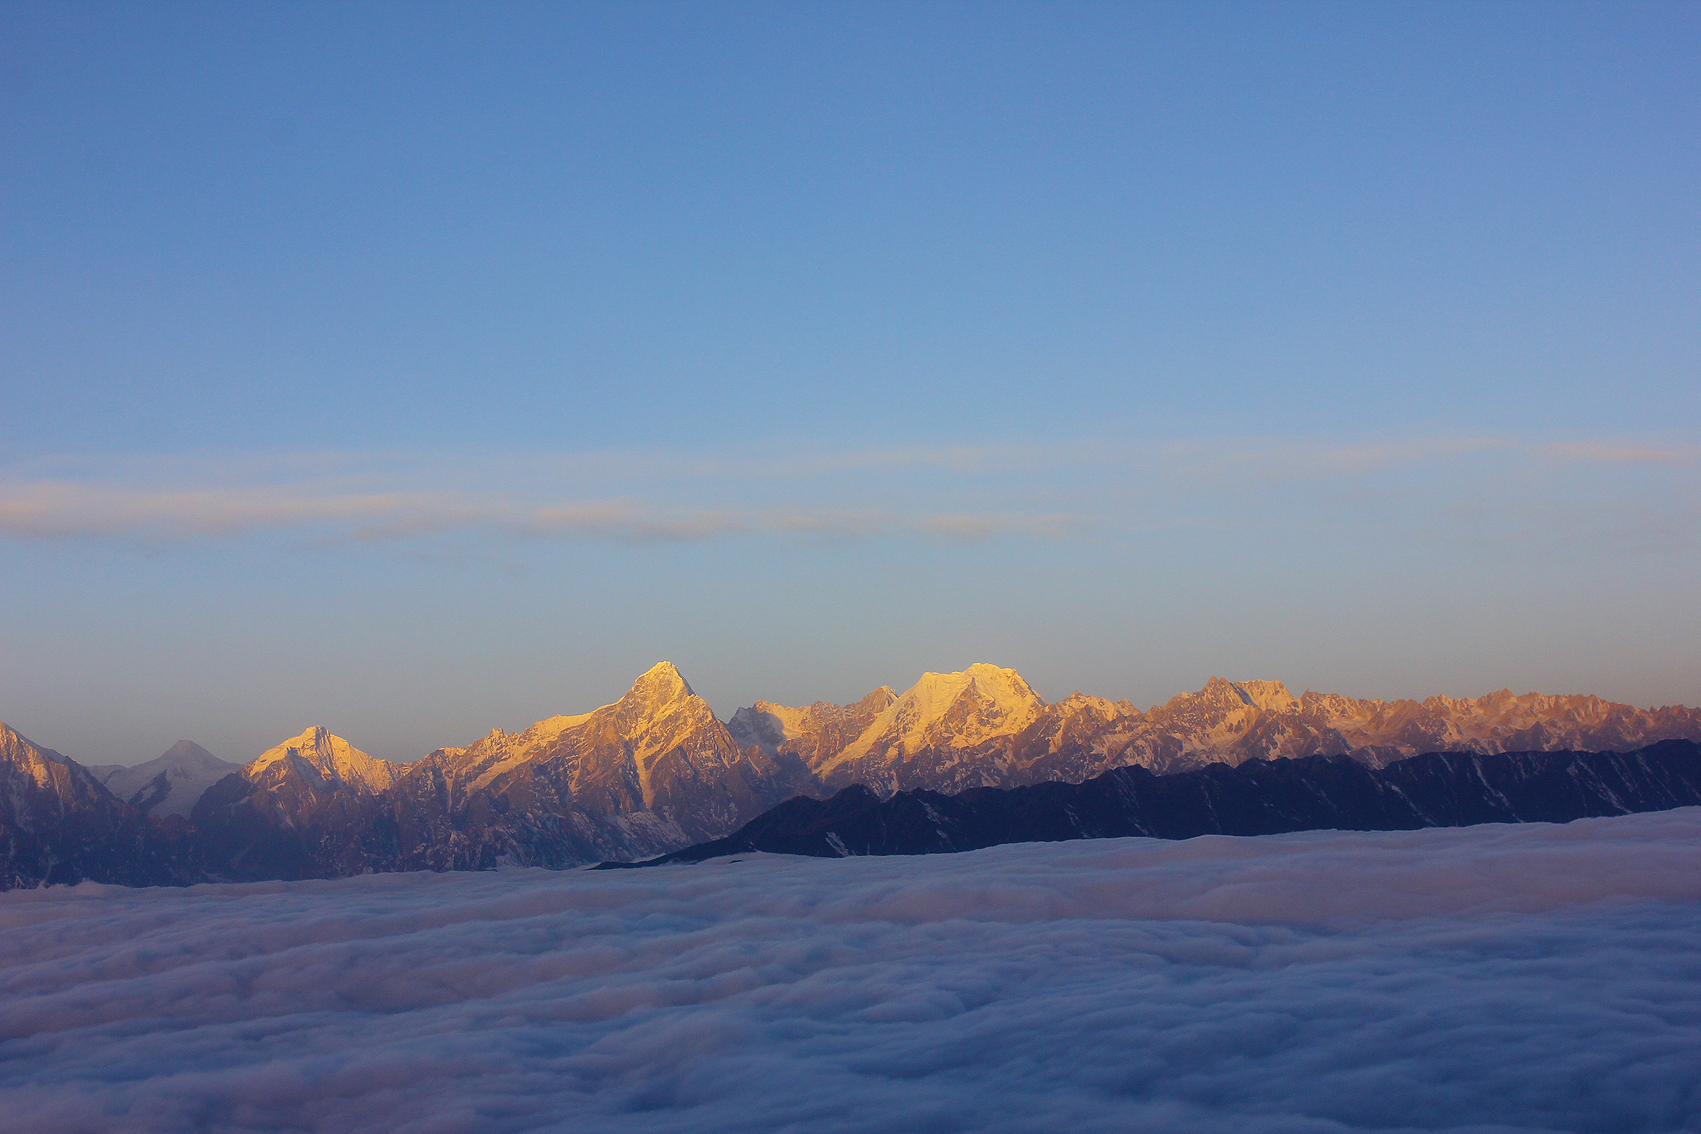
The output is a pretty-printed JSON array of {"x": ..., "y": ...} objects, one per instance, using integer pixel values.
[
  {"x": 986, "y": 704},
  {"x": 657, "y": 771},
  {"x": 815, "y": 347}
]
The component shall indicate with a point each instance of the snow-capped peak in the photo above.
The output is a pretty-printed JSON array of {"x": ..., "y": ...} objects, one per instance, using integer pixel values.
[
  {"x": 950, "y": 710},
  {"x": 1270, "y": 696},
  {"x": 331, "y": 756},
  {"x": 663, "y": 682}
]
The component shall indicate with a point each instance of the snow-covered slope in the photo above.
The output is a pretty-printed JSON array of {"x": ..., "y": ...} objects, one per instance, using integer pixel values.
[
  {"x": 944, "y": 723},
  {"x": 986, "y": 727},
  {"x": 947, "y": 710},
  {"x": 655, "y": 771},
  {"x": 658, "y": 750},
  {"x": 331, "y": 758},
  {"x": 651, "y": 772},
  {"x": 1231, "y": 722},
  {"x": 814, "y": 733},
  {"x": 168, "y": 784},
  {"x": 58, "y": 823},
  {"x": 39, "y": 787}
]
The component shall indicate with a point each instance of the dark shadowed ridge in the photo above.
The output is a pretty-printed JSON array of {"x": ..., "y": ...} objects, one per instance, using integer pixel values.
[
  {"x": 1260, "y": 797},
  {"x": 60, "y": 825}
]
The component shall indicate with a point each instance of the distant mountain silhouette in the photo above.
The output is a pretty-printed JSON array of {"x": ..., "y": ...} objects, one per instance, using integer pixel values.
[{"x": 1259, "y": 797}]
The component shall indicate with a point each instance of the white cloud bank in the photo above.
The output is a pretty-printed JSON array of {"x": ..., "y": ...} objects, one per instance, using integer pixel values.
[{"x": 1489, "y": 979}]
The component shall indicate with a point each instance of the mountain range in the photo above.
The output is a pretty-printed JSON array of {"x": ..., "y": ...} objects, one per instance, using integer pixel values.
[
  {"x": 58, "y": 823},
  {"x": 1260, "y": 797},
  {"x": 985, "y": 727},
  {"x": 657, "y": 771}
]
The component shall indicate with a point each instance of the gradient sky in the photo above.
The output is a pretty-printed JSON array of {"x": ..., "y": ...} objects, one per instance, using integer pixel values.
[{"x": 421, "y": 369}]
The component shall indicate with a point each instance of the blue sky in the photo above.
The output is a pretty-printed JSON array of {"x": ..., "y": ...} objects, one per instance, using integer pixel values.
[{"x": 418, "y": 369}]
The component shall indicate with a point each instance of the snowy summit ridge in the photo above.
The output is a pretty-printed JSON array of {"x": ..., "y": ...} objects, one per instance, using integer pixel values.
[
  {"x": 986, "y": 727},
  {"x": 655, "y": 770}
]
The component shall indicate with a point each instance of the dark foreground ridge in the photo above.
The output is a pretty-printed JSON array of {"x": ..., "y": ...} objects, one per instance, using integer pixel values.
[{"x": 1259, "y": 797}]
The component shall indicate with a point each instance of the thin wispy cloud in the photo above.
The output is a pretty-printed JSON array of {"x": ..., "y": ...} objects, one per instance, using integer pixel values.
[
  {"x": 1430, "y": 486},
  {"x": 1289, "y": 461},
  {"x": 71, "y": 510},
  {"x": 62, "y": 511},
  {"x": 954, "y": 526},
  {"x": 1595, "y": 452}
]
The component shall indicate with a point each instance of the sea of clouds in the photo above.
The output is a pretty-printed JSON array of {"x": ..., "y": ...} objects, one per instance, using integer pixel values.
[{"x": 1494, "y": 978}]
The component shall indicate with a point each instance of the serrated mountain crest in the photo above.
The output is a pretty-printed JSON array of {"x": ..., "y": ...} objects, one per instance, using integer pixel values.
[
  {"x": 43, "y": 784},
  {"x": 650, "y": 771},
  {"x": 655, "y": 770},
  {"x": 810, "y": 733},
  {"x": 334, "y": 760},
  {"x": 998, "y": 737},
  {"x": 1270, "y": 696},
  {"x": 953, "y": 710}
]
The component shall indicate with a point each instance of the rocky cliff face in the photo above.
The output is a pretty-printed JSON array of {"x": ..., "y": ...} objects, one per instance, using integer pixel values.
[
  {"x": 1232, "y": 722},
  {"x": 805, "y": 739},
  {"x": 651, "y": 772},
  {"x": 655, "y": 771},
  {"x": 985, "y": 727},
  {"x": 58, "y": 823},
  {"x": 943, "y": 722}
]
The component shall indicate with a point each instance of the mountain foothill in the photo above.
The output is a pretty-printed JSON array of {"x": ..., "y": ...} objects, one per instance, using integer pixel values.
[{"x": 657, "y": 771}]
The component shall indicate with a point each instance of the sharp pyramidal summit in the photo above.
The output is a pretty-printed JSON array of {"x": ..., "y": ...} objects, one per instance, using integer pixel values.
[{"x": 656, "y": 772}]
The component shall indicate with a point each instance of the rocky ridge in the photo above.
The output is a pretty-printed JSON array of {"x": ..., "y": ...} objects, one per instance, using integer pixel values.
[
  {"x": 653, "y": 771},
  {"x": 58, "y": 823},
  {"x": 985, "y": 727},
  {"x": 656, "y": 771},
  {"x": 1260, "y": 797}
]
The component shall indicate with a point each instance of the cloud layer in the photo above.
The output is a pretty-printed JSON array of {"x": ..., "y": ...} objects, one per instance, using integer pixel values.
[{"x": 1487, "y": 979}]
